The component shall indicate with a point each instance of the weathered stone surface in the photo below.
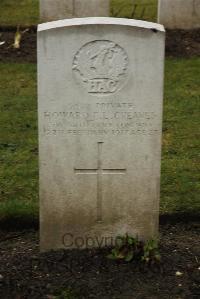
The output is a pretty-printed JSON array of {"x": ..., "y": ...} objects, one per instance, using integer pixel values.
[
  {"x": 62, "y": 9},
  {"x": 92, "y": 8},
  {"x": 179, "y": 14},
  {"x": 56, "y": 9},
  {"x": 100, "y": 85}
]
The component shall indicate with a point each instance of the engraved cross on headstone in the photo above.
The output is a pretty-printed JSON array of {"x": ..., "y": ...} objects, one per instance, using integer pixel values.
[{"x": 99, "y": 171}]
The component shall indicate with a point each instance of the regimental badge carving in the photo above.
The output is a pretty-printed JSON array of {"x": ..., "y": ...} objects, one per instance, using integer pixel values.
[{"x": 101, "y": 66}]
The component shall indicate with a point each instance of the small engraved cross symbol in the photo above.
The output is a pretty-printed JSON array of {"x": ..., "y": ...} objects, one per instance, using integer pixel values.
[{"x": 99, "y": 171}]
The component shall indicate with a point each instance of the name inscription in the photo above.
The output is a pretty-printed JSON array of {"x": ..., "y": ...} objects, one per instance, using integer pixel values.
[{"x": 100, "y": 119}]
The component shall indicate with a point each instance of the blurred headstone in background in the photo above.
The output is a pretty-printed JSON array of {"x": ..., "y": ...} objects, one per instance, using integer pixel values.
[
  {"x": 179, "y": 14},
  {"x": 62, "y": 9}
]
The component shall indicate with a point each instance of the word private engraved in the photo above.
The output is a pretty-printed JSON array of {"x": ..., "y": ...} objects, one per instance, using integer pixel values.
[{"x": 101, "y": 66}]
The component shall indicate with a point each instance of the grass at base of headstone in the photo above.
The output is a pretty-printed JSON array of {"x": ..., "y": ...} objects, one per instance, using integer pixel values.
[
  {"x": 180, "y": 187},
  {"x": 18, "y": 142},
  {"x": 19, "y": 214},
  {"x": 20, "y": 12},
  {"x": 26, "y": 12}
]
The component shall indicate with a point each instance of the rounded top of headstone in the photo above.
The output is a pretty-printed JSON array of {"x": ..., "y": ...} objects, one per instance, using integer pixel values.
[{"x": 100, "y": 21}]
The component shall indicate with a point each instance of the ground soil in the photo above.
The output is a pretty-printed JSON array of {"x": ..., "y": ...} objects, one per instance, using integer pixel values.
[
  {"x": 26, "y": 273},
  {"x": 183, "y": 43},
  {"x": 179, "y": 43},
  {"x": 27, "y": 50}
]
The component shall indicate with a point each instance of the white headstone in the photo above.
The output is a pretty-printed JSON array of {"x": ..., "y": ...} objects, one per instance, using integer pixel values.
[
  {"x": 179, "y": 14},
  {"x": 100, "y": 84},
  {"x": 61, "y": 9}
]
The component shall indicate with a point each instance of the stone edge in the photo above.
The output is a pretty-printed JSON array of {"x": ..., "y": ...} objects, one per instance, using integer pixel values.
[{"x": 100, "y": 21}]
